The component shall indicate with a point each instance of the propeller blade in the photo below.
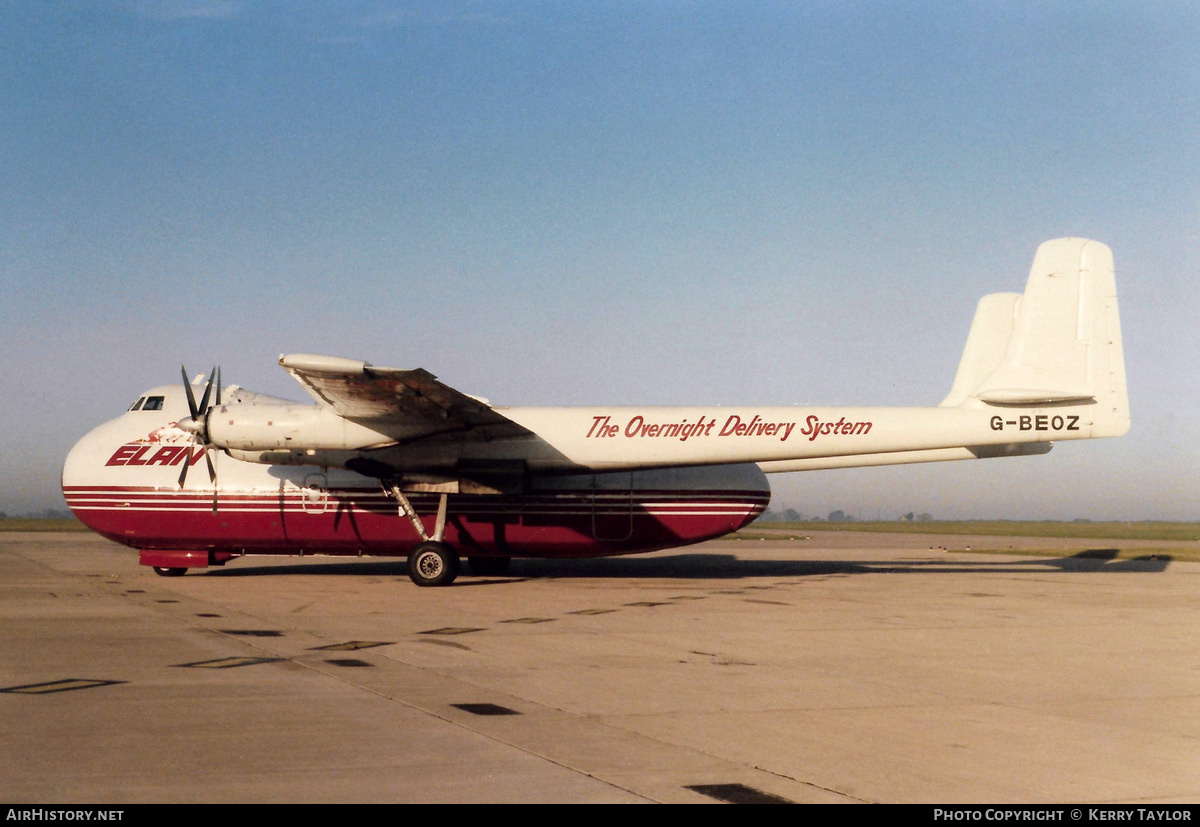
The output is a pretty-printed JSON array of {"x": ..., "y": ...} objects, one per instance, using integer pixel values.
[
  {"x": 212, "y": 472},
  {"x": 199, "y": 426},
  {"x": 207, "y": 390},
  {"x": 187, "y": 386}
]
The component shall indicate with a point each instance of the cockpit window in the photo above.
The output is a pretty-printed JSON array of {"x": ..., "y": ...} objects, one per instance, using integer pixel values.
[
  {"x": 153, "y": 403},
  {"x": 137, "y": 404}
]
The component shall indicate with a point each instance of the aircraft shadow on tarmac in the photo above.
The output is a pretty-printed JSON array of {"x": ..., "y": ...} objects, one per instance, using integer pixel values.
[{"x": 727, "y": 567}]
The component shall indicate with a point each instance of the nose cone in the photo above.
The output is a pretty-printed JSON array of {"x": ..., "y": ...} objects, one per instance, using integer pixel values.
[
  {"x": 81, "y": 484},
  {"x": 86, "y": 455}
]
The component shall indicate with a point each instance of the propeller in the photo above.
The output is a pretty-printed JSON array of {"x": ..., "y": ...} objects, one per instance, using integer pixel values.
[{"x": 196, "y": 424}]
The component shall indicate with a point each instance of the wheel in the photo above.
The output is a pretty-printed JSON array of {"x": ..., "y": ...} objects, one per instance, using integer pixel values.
[
  {"x": 167, "y": 571},
  {"x": 433, "y": 564},
  {"x": 489, "y": 566}
]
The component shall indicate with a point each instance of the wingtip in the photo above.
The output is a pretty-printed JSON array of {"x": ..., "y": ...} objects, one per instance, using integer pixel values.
[{"x": 316, "y": 363}]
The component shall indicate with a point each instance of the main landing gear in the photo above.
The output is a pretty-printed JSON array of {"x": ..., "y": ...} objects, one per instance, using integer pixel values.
[{"x": 434, "y": 562}]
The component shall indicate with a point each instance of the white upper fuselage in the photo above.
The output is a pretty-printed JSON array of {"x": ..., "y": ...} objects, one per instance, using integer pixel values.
[{"x": 573, "y": 439}]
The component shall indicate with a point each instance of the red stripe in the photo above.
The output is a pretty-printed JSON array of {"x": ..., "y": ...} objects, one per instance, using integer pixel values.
[{"x": 366, "y": 521}]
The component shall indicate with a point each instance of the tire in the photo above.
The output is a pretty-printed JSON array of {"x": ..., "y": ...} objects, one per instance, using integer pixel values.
[
  {"x": 168, "y": 571},
  {"x": 489, "y": 566},
  {"x": 433, "y": 564}
]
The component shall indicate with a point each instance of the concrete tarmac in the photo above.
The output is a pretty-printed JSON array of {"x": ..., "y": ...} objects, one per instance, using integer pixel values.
[{"x": 843, "y": 668}]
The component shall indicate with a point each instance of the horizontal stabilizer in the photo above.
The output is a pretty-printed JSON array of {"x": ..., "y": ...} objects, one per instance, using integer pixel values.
[{"x": 1033, "y": 396}]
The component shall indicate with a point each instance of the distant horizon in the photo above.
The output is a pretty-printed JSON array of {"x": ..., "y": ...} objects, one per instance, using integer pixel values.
[{"x": 900, "y": 519}]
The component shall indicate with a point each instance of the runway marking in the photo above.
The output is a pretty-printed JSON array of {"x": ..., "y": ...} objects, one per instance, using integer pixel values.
[
  {"x": 722, "y": 660},
  {"x": 351, "y": 645},
  {"x": 64, "y": 685},
  {"x": 226, "y": 663},
  {"x": 736, "y": 794},
  {"x": 529, "y": 620},
  {"x": 485, "y": 709}
]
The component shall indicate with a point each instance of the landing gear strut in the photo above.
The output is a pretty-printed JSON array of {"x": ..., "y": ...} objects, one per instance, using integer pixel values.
[{"x": 433, "y": 563}]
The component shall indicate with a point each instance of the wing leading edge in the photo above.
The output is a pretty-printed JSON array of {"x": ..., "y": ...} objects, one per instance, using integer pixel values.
[{"x": 382, "y": 396}]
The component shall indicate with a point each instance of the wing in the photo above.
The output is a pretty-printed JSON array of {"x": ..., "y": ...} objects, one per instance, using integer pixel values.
[{"x": 414, "y": 398}]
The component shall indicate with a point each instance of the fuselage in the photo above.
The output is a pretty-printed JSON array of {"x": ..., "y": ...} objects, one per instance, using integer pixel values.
[{"x": 122, "y": 480}]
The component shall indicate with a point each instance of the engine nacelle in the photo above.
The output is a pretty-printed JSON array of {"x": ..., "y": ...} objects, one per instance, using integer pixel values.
[{"x": 252, "y": 428}]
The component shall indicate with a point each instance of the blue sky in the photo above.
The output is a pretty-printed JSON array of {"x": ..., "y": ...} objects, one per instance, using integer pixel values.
[{"x": 571, "y": 203}]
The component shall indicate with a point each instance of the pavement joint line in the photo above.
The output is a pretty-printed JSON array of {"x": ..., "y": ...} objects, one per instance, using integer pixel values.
[{"x": 62, "y": 685}]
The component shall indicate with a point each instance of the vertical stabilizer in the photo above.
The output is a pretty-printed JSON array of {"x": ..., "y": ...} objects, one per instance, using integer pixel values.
[
  {"x": 986, "y": 345},
  {"x": 1063, "y": 344}
]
